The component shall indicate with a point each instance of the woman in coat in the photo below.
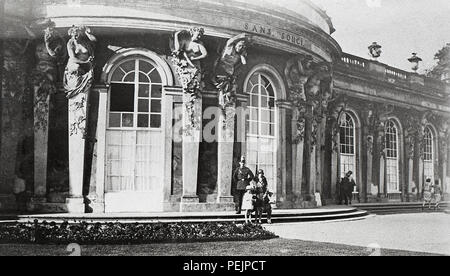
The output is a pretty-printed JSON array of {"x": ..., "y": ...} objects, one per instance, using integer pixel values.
[{"x": 263, "y": 197}]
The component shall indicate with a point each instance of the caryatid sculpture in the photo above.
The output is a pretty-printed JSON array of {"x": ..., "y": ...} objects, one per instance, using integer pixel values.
[
  {"x": 79, "y": 73},
  {"x": 188, "y": 51},
  {"x": 226, "y": 68},
  {"x": 48, "y": 55},
  {"x": 297, "y": 72}
]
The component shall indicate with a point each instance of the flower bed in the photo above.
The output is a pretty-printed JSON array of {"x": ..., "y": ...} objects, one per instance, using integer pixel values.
[{"x": 120, "y": 233}]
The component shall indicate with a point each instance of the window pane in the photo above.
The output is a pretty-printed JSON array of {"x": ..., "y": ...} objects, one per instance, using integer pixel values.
[
  {"x": 127, "y": 120},
  {"x": 145, "y": 66},
  {"x": 143, "y": 120},
  {"x": 270, "y": 91},
  {"x": 128, "y": 66},
  {"x": 114, "y": 120},
  {"x": 129, "y": 77},
  {"x": 253, "y": 127},
  {"x": 156, "y": 106},
  {"x": 264, "y": 81},
  {"x": 122, "y": 97},
  {"x": 155, "y": 77},
  {"x": 156, "y": 91},
  {"x": 264, "y": 102},
  {"x": 264, "y": 92},
  {"x": 155, "y": 121},
  {"x": 265, "y": 129},
  {"x": 118, "y": 75},
  {"x": 144, "y": 90},
  {"x": 254, "y": 100},
  {"x": 272, "y": 130},
  {"x": 265, "y": 115},
  {"x": 253, "y": 114},
  {"x": 143, "y": 106},
  {"x": 143, "y": 78}
]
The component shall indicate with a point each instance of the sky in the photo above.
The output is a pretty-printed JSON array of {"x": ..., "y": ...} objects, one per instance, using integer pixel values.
[{"x": 401, "y": 27}]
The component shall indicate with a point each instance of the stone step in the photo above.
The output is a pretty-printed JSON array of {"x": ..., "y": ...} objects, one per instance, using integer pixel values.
[
  {"x": 277, "y": 217},
  {"x": 389, "y": 208}
]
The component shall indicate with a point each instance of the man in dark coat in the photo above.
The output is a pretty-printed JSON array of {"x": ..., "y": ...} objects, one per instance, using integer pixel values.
[
  {"x": 241, "y": 178},
  {"x": 346, "y": 188}
]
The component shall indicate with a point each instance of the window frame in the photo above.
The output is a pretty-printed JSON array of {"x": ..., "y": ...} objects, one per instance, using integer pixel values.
[{"x": 137, "y": 61}]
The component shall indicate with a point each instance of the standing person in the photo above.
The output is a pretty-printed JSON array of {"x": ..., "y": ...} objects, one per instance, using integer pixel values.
[
  {"x": 249, "y": 202},
  {"x": 347, "y": 186},
  {"x": 427, "y": 193},
  {"x": 241, "y": 177},
  {"x": 437, "y": 194},
  {"x": 263, "y": 206}
]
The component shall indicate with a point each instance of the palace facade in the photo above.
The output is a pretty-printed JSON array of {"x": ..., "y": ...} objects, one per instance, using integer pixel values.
[{"x": 168, "y": 95}]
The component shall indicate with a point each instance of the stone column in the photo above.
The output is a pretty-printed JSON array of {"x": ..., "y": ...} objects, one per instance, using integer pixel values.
[
  {"x": 41, "y": 120},
  {"x": 297, "y": 157},
  {"x": 369, "y": 165},
  {"x": 77, "y": 127},
  {"x": 307, "y": 158},
  {"x": 99, "y": 206},
  {"x": 334, "y": 171},
  {"x": 409, "y": 167},
  {"x": 192, "y": 122},
  {"x": 225, "y": 145},
  {"x": 2, "y": 59},
  {"x": 417, "y": 170},
  {"x": 382, "y": 178},
  {"x": 376, "y": 164},
  {"x": 281, "y": 152}
]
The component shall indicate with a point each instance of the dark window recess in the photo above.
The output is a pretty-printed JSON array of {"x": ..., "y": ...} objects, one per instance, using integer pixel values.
[{"x": 122, "y": 97}]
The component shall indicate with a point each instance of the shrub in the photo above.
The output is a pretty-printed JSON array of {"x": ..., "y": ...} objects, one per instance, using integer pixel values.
[{"x": 122, "y": 233}]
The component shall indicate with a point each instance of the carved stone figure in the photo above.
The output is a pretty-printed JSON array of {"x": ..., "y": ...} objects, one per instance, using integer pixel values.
[
  {"x": 48, "y": 55},
  {"x": 313, "y": 84},
  {"x": 188, "y": 51},
  {"x": 319, "y": 93},
  {"x": 79, "y": 72},
  {"x": 297, "y": 72},
  {"x": 44, "y": 77},
  {"x": 444, "y": 137},
  {"x": 226, "y": 68},
  {"x": 336, "y": 111},
  {"x": 412, "y": 129}
]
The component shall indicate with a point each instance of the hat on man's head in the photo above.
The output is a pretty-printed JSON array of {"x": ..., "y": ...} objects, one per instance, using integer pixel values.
[
  {"x": 350, "y": 173},
  {"x": 260, "y": 171},
  {"x": 242, "y": 160}
]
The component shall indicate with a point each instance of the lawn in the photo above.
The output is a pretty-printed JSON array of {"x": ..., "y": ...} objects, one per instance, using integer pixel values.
[{"x": 274, "y": 247}]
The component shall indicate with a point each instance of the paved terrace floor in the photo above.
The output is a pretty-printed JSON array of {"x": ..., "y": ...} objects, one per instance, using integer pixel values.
[{"x": 420, "y": 232}]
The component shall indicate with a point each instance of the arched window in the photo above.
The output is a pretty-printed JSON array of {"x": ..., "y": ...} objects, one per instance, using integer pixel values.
[
  {"x": 428, "y": 155},
  {"x": 347, "y": 145},
  {"x": 261, "y": 126},
  {"x": 134, "y": 133},
  {"x": 135, "y": 98},
  {"x": 392, "y": 156}
]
